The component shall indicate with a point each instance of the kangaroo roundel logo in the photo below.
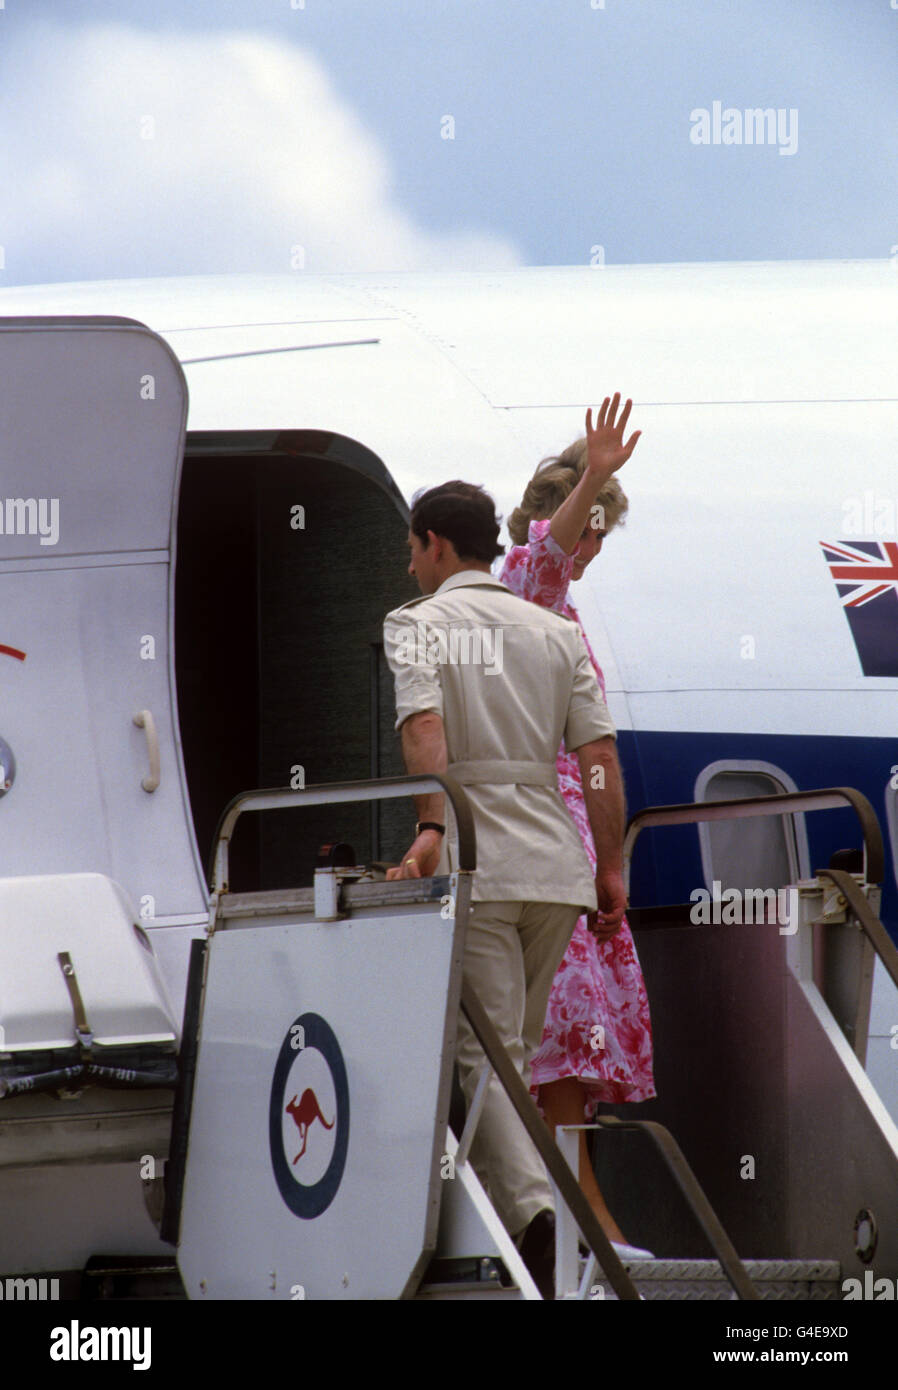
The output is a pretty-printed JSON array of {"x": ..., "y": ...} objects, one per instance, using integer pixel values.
[{"x": 308, "y": 1116}]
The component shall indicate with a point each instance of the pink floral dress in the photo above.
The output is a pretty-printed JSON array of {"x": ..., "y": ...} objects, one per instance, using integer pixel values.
[{"x": 597, "y": 982}]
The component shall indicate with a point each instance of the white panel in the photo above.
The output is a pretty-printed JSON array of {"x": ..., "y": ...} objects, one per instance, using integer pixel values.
[
  {"x": 845, "y": 713},
  {"x": 54, "y": 819},
  {"x": 381, "y": 985},
  {"x": 729, "y": 502},
  {"x": 821, "y": 330},
  {"x": 552, "y": 336},
  {"x": 882, "y": 1068},
  {"x": 171, "y": 947},
  {"x": 402, "y": 398},
  {"x": 58, "y": 1217},
  {"x": 76, "y": 429},
  {"x": 891, "y": 805},
  {"x": 67, "y": 712},
  {"x": 882, "y": 1046},
  {"x": 201, "y": 301},
  {"x": 120, "y": 984},
  {"x": 151, "y": 832}
]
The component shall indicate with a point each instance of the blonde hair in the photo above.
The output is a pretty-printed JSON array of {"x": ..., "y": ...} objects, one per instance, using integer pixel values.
[{"x": 554, "y": 480}]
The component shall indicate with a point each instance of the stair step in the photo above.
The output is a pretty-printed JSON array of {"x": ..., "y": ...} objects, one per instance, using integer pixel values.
[
  {"x": 686, "y": 1280},
  {"x": 466, "y": 1277},
  {"x": 705, "y": 1279},
  {"x": 477, "y": 1289}
]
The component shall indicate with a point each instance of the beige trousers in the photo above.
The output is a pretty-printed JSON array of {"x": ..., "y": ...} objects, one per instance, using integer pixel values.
[{"x": 512, "y": 951}]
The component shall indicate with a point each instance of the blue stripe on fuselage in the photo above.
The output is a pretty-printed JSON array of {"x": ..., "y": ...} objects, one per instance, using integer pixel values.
[{"x": 661, "y": 769}]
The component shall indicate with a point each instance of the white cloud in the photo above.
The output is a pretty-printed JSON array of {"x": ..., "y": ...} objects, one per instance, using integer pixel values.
[{"x": 125, "y": 153}]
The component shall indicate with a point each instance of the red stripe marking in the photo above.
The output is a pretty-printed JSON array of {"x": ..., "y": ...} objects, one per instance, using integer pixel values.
[
  {"x": 865, "y": 598},
  {"x": 864, "y": 572},
  {"x": 840, "y": 550},
  {"x": 12, "y": 651},
  {"x": 866, "y": 567}
]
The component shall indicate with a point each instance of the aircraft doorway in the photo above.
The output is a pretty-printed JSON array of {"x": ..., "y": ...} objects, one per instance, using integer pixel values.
[{"x": 290, "y": 550}]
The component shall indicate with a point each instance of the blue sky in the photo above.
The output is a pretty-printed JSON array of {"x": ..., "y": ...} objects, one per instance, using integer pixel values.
[{"x": 222, "y": 135}]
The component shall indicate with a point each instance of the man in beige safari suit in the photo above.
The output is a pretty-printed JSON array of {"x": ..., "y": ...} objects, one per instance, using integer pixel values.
[{"x": 487, "y": 685}]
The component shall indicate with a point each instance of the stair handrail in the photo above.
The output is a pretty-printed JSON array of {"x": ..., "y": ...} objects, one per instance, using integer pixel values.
[
  {"x": 867, "y": 919},
  {"x": 781, "y": 803},
  {"x": 325, "y": 793},
  {"x": 679, "y": 1166},
  {"x": 559, "y": 1170}
]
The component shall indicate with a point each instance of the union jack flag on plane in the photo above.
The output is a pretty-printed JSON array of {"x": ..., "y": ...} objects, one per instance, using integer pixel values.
[{"x": 866, "y": 575}]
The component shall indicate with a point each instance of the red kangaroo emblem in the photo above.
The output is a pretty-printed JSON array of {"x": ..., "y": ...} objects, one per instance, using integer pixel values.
[{"x": 304, "y": 1114}]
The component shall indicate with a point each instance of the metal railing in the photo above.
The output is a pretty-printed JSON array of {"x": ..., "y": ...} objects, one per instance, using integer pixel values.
[
  {"x": 693, "y": 1192},
  {"x": 783, "y": 803},
  {"x": 328, "y": 793},
  {"x": 548, "y": 1150},
  {"x": 852, "y": 894},
  {"x": 867, "y": 919}
]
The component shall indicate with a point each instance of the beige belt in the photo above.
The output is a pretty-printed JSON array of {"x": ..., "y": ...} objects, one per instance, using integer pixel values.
[{"x": 496, "y": 771}]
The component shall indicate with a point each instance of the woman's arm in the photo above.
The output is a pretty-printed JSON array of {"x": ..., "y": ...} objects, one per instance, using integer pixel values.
[
  {"x": 606, "y": 809},
  {"x": 606, "y": 453}
]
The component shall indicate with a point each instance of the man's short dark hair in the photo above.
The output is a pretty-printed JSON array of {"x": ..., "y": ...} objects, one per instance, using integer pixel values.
[{"x": 463, "y": 514}]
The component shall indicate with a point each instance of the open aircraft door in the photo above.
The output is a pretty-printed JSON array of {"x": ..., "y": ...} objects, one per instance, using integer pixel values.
[{"x": 91, "y": 755}]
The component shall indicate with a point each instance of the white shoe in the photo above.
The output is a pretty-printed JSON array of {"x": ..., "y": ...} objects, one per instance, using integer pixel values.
[{"x": 630, "y": 1252}]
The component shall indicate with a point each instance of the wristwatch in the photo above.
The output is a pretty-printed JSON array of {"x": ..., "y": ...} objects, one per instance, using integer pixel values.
[{"x": 429, "y": 825}]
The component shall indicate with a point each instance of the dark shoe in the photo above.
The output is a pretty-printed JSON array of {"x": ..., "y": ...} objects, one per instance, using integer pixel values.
[{"x": 537, "y": 1249}]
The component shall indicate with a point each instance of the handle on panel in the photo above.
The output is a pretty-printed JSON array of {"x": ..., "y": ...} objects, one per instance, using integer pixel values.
[{"x": 144, "y": 720}]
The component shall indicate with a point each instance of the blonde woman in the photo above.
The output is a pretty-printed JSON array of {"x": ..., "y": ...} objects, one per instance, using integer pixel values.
[{"x": 570, "y": 504}]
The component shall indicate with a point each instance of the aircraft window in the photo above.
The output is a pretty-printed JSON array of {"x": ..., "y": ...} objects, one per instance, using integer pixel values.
[
  {"x": 767, "y": 852},
  {"x": 891, "y": 799}
]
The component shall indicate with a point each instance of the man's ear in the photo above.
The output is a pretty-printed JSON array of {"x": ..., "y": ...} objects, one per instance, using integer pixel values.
[{"x": 435, "y": 545}]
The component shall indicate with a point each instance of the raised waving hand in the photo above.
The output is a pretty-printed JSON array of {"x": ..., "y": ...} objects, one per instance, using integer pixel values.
[{"x": 606, "y": 450}]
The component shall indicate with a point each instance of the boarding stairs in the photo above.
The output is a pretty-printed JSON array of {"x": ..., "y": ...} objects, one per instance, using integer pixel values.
[
  {"x": 462, "y": 1249},
  {"x": 290, "y": 985}
]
